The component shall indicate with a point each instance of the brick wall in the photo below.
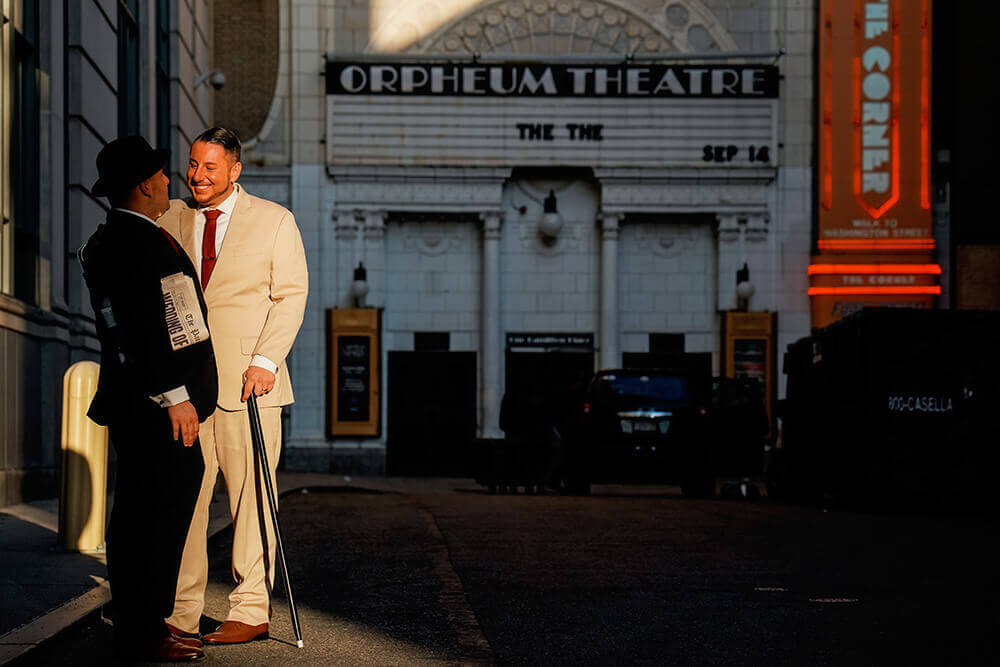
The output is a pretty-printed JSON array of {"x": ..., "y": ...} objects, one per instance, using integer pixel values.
[{"x": 245, "y": 49}]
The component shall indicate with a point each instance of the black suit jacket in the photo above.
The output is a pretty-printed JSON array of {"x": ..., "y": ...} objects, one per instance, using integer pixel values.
[{"x": 123, "y": 263}]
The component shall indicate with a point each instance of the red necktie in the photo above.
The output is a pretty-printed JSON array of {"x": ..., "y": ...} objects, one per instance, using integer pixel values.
[
  {"x": 208, "y": 247},
  {"x": 173, "y": 243}
]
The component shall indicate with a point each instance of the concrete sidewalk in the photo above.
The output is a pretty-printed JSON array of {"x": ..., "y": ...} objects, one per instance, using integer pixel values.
[{"x": 44, "y": 590}]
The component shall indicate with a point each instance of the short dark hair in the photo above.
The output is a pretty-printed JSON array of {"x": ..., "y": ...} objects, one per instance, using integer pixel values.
[{"x": 224, "y": 137}]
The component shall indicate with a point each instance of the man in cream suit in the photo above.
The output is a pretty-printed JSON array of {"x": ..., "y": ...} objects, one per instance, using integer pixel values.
[{"x": 252, "y": 267}]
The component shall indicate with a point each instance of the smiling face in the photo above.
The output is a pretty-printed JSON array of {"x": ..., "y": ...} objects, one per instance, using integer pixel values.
[{"x": 211, "y": 173}]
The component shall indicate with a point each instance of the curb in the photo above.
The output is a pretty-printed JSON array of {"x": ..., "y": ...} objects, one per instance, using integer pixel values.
[{"x": 22, "y": 640}]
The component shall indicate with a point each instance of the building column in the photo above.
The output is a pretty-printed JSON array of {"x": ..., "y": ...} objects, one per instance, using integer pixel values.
[
  {"x": 373, "y": 256},
  {"x": 490, "y": 327},
  {"x": 610, "y": 356}
]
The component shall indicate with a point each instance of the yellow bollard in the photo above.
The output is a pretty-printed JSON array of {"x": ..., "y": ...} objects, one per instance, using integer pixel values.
[{"x": 83, "y": 501}]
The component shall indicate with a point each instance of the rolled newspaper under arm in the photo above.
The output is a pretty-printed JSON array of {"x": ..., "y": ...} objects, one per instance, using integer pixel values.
[{"x": 182, "y": 311}]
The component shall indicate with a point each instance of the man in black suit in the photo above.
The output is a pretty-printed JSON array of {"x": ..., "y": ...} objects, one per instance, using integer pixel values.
[{"x": 158, "y": 381}]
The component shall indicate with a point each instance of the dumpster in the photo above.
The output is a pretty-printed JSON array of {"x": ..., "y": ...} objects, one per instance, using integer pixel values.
[{"x": 893, "y": 406}]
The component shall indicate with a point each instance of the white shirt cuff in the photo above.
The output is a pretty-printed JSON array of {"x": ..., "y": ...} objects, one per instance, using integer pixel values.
[
  {"x": 171, "y": 398},
  {"x": 265, "y": 363}
]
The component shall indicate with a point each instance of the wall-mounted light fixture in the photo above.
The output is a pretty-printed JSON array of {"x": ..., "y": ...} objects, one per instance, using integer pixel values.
[
  {"x": 744, "y": 288},
  {"x": 551, "y": 222},
  {"x": 359, "y": 288},
  {"x": 214, "y": 77}
]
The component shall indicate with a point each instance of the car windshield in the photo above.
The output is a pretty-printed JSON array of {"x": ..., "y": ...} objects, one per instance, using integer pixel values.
[{"x": 647, "y": 387}]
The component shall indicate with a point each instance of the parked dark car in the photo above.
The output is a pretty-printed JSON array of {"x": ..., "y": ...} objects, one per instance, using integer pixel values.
[{"x": 644, "y": 425}]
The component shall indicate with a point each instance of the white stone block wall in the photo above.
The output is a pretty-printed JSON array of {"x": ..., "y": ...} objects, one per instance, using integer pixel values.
[
  {"x": 794, "y": 23},
  {"x": 308, "y": 357},
  {"x": 190, "y": 108},
  {"x": 550, "y": 286},
  {"x": 432, "y": 282},
  {"x": 310, "y": 23},
  {"x": 748, "y": 22},
  {"x": 667, "y": 285}
]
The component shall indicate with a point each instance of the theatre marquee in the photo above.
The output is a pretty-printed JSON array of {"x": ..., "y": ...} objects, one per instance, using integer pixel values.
[{"x": 597, "y": 115}]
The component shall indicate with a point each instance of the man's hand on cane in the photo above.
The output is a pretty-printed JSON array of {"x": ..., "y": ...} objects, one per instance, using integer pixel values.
[
  {"x": 184, "y": 420},
  {"x": 257, "y": 380}
]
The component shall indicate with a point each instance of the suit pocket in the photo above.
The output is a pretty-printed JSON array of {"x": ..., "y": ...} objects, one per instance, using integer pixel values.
[{"x": 247, "y": 344}]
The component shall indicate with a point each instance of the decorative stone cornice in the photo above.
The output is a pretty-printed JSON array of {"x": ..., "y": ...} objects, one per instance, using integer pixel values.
[
  {"x": 346, "y": 225},
  {"x": 610, "y": 224},
  {"x": 419, "y": 189},
  {"x": 741, "y": 191},
  {"x": 374, "y": 225},
  {"x": 432, "y": 238},
  {"x": 729, "y": 228},
  {"x": 757, "y": 228},
  {"x": 667, "y": 240},
  {"x": 752, "y": 226},
  {"x": 492, "y": 221}
]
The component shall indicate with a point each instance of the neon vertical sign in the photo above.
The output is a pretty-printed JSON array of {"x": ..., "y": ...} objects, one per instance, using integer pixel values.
[
  {"x": 873, "y": 180},
  {"x": 875, "y": 84}
]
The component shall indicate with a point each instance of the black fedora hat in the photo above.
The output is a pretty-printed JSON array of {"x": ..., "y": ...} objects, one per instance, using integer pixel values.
[{"x": 126, "y": 162}]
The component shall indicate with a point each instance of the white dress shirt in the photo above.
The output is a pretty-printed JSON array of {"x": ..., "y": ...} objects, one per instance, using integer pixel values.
[{"x": 221, "y": 225}]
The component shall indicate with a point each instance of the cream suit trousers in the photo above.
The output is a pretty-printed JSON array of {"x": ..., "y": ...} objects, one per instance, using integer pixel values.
[{"x": 226, "y": 446}]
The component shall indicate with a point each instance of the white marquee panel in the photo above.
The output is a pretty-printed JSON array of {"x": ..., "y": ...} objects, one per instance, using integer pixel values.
[{"x": 470, "y": 131}]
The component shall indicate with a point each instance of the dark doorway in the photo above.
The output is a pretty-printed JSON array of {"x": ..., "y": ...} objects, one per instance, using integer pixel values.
[
  {"x": 664, "y": 350},
  {"x": 560, "y": 377},
  {"x": 432, "y": 413}
]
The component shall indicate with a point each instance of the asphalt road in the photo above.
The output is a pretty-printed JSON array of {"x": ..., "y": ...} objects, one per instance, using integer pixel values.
[{"x": 628, "y": 576}]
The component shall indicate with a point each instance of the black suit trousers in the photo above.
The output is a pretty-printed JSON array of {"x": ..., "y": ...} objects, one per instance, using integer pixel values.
[{"x": 156, "y": 489}]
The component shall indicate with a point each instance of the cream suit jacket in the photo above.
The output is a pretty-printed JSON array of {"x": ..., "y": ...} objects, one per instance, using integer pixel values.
[{"x": 256, "y": 295}]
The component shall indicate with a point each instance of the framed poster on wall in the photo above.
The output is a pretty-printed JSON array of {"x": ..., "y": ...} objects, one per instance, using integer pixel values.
[{"x": 354, "y": 372}]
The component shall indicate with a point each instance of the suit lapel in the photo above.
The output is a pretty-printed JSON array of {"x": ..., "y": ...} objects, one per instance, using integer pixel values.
[
  {"x": 187, "y": 234},
  {"x": 238, "y": 230}
]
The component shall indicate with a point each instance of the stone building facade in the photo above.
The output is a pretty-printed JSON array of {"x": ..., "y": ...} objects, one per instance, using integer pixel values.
[
  {"x": 448, "y": 232},
  {"x": 75, "y": 75}
]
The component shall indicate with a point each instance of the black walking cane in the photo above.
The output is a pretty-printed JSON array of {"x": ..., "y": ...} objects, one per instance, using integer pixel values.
[{"x": 257, "y": 435}]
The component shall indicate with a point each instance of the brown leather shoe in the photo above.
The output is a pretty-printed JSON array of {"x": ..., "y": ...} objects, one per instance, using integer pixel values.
[
  {"x": 163, "y": 649},
  {"x": 234, "y": 632},
  {"x": 187, "y": 638}
]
